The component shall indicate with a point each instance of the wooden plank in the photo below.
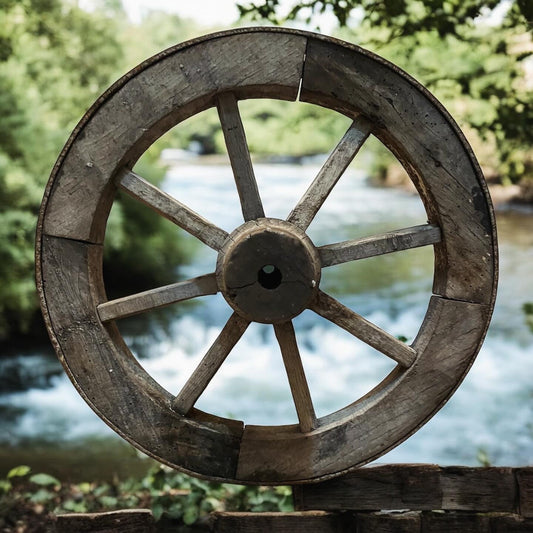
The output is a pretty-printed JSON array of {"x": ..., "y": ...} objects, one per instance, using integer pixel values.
[
  {"x": 173, "y": 210},
  {"x": 511, "y": 523},
  {"x": 478, "y": 489},
  {"x": 209, "y": 365},
  {"x": 414, "y": 487},
  {"x": 306, "y": 209},
  {"x": 425, "y": 139},
  {"x": 239, "y": 155},
  {"x": 147, "y": 102},
  {"x": 360, "y": 327},
  {"x": 123, "y": 521},
  {"x": 524, "y": 478},
  {"x": 385, "y": 243},
  {"x": 296, "y": 374},
  {"x": 381, "y": 487},
  {"x": 297, "y": 522},
  {"x": 455, "y": 522},
  {"x": 156, "y": 298},
  {"x": 388, "y": 523}
]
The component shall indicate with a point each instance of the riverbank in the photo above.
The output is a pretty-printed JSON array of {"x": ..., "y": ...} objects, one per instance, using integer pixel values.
[{"x": 517, "y": 197}]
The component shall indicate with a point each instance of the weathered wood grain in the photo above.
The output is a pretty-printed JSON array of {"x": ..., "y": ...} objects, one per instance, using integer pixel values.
[
  {"x": 392, "y": 241},
  {"x": 239, "y": 155},
  {"x": 415, "y": 487},
  {"x": 524, "y": 478},
  {"x": 307, "y": 522},
  {"x": 306, "y": 209},
  {"x": 209, "y": 365},
  {"x": 147, "y": 102},
  {"x": 455, "y": 522},
  {"x": 388, "y": 523},
  {"x": 173, "y": 210},
  {"x": 364, "y": 428},
  {"x": 479, "y": 489},
  {"x": 360, "y": 327},
  {"x": 156, "y": 298},
  {"x": 417, "y": 129},
  {"x": 296, "y": 374},
  {"x": 107, "y": 375},
  {"x": 123, "y": 521},
  {"x": 511, "y": 524}
]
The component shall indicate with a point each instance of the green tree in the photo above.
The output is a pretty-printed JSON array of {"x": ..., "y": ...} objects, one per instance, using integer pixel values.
[
  {"x": 55, "y": 60},
  {"x": 472, "y": 53}
]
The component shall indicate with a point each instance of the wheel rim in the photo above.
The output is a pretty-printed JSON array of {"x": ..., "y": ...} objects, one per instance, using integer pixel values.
[{"x": 217, "y": 71}]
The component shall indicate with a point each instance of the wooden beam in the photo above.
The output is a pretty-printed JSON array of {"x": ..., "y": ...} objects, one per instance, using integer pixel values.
[{"x": 414, "y": 487}]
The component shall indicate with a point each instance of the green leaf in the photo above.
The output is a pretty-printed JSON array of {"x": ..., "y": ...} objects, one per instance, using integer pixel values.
[
  {"x": 19, "y": 471},
  {"x": 190, "y": 515},
  {"x": 42, "y": 496},
  {"x": 108, "y": 501},
  {"x": 45, "y": 480},
  {"x": 157, "y": 510}
]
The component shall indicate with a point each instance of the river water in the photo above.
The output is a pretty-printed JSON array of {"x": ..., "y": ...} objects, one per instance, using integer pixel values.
[{"x": 45, "y": 423}]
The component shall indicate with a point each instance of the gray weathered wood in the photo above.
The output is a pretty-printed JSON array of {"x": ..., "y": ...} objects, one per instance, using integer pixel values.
[
  {"x": 364, "y": 330},
  {"x": 511, "y": 524},
  {"x": 524, "y": 478},
  {"x": 239, "y": 155},
  {"x": 417, "y": 487},
  {"x": 306, "y": 209},
  {"x": 392, "y": 241},
  {"x": 388, "y": 523},
  {"x": 295, "y": 372},
  {"x": 156, "y": 298},
  {"x": 123, "y": 521},
  {"x": 307, "y": 522},
  {"x": 148, "y": 101},
  {"x": 425, "y": 139},
  {"x": 277, "y": 454},
  {"x": 454, "y": 522},
  {"x": 173, "y": 210},
  {"x": 209, "y": 365},
  {"x": 478, "y": 489},
  {"x": 107, "y": 374}
]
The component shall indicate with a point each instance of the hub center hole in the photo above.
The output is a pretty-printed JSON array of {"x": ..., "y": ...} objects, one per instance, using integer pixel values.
[{"x": 269, "y": 277}]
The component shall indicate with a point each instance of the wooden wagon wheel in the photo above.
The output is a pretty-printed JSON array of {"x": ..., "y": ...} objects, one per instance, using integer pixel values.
[{"x": 268, "y": 270}]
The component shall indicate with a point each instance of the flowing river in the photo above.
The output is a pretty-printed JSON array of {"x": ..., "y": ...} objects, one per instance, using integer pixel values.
[{"x": 45, "y": 423}]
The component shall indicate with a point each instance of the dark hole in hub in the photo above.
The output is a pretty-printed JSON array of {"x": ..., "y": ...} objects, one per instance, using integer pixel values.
[{"x": 269, "y": 277}]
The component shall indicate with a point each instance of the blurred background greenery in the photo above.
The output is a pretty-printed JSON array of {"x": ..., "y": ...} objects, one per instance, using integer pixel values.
[{"x": 57, "y": 56}]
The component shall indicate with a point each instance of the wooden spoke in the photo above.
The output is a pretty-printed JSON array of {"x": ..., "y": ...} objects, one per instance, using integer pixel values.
[
  {"x": 239, "y": 155},
  {"x": 403, "y": 239},
  {"x": 295, "y": 372},
  {"x": 361, "y": 328},
  {"x": 306, "y": 209},
  {"x": 155, "y": 298},
  {"x": 209, "y": 365},
  {"x": 173, "y": 210}
]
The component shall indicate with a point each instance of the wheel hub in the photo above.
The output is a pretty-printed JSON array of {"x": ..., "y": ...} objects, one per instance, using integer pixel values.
[{"x": 268, "y": 271}]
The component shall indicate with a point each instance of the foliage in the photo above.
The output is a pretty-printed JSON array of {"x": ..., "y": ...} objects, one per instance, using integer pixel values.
[
  {"x": 528, "y": 312},
  {"x": 52, "y": 66},
  {"x": 399, "y": 17},
  {"x": 55, "y": 60},
  {"x": 475, "y": 63},
  {"x": 169, "y": 494}
]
